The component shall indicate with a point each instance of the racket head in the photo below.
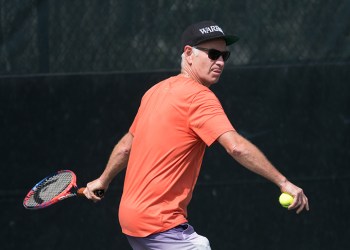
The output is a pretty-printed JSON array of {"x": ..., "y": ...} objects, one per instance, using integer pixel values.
[{"x": 52, "y": 189}]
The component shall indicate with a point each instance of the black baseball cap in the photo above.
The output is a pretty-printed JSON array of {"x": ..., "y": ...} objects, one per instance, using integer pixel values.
[{"x": 205, "y": 31}]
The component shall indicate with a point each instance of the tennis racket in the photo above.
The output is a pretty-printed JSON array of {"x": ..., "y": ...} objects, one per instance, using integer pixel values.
[{"x": 54, "y": 188}]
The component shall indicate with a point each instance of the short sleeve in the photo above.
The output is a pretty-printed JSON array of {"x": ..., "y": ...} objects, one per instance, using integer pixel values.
[{"x": 207, "y": 117}]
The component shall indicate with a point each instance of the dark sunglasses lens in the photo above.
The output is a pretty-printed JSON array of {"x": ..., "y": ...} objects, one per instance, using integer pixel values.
[
  {"x": 214, "y": 54},
  {"x": 225, "y": 55}
]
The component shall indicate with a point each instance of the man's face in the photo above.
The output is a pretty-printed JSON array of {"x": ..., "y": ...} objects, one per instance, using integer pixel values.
[{"x": 206, "y": 70}]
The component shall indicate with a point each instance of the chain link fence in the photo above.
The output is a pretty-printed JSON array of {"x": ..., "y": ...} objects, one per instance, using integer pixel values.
[{"x": 81, "y": 36}]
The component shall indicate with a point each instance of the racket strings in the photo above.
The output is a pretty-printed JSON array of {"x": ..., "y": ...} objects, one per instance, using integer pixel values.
[{"x": 50, "y": 188}]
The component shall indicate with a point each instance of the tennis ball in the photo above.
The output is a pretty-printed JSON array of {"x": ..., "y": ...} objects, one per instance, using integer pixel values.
[{"x": 286, "y": 199}]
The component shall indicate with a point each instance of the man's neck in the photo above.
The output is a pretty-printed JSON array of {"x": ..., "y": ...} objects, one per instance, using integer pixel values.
[{"x": 189, "y": 74}]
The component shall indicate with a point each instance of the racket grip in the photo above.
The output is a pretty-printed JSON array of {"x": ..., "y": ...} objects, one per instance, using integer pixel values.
[
  {"x": 98, "y": 193},
  {"x": 80, "y": 191}
]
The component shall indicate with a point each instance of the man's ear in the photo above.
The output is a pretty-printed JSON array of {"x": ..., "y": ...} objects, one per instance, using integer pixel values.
[{"x": 188, "y": 52}]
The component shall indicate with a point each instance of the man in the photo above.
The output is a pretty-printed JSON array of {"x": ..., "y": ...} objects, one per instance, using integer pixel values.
[{"x": 163, "y": 150}]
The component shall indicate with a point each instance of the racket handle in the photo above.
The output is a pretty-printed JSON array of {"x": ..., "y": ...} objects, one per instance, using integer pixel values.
[{"x": 98, "y": 193}]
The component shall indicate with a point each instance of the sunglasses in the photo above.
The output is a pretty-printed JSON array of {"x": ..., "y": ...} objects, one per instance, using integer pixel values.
[{"x": 214, "y": 54}]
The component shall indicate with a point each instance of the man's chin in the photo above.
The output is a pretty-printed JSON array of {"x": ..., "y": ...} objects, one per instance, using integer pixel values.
[
  {"x": 216, "y": 79},
  {"x": 213, "y": 82}
]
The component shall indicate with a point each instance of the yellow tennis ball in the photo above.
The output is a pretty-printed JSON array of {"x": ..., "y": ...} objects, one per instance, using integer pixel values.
[{"x": 286, "y": 199}]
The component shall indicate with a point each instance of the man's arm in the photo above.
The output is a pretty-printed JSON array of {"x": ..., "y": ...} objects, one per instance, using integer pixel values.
[
  {"x": 116, "y": 163},
  {"x": 253, "y": 159}
]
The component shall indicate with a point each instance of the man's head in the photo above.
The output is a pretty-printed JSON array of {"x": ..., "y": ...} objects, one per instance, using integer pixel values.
[{"x": 204, "y": 51}]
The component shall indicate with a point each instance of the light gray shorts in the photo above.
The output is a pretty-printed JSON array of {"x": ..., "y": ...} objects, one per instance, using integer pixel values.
[{"x": 181, "y": 237}]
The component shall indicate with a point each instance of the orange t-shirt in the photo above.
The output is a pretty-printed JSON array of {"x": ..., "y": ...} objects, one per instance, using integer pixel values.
[{"x": 177, "y": 118}]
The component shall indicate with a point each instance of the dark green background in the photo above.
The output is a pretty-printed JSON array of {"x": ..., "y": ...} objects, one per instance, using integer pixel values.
[
  {"x": 50, "y": 36},
  {"x": 299, "y": 116}
]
